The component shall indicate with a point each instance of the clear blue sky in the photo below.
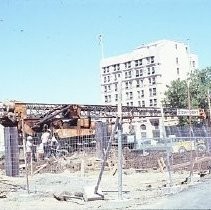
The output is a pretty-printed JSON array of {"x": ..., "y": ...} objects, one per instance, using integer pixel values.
[{"x": 49, "y": 50}]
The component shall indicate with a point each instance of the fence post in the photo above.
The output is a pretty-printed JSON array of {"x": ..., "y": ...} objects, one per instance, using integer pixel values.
[
  {"x": 25, "y": 159},
  {"x": 11, "y": 151},
  {"x": 101, "y": 139},
  {"x": 119, "y": 115},
  {"x": 166, "y": 146}
]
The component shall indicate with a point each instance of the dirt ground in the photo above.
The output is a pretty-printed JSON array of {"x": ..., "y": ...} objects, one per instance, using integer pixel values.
[{"x": 139, "y": 188}]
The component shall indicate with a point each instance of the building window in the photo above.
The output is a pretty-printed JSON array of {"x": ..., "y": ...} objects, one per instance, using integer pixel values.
[
  {"x": 108, "y": 78},
  {"x": 143, "y": 134},
  {"x": 109, "y": 98},
  {"x": 136, "y": 63},
  {"x": 155, "y": 102},
  {"x": 128, "y": 65},
  {"x": 177, "y": 71},
  {"x": 153, "y": 80},
  {"x": 137, "y": 83},
  {"x": 126, "y": 75},
  {"x": 131, "y": 95},
  {"x": 106, "y": 99},
  {"x": 104, "y": 70},
  {"x": 105, "y": 88},
  {"x": 139, "y": 103},
  {"x": 126, "y": 85},
  {"x": 142, "y": 93},
  {"x": 141, "y": 83},
  {"x": 116, "y": 97},
  {"x": 129, "y": 74},
  {"x": 150, "y": 92},
  {"x": 108, "y": 69},
  {"x": 131, "y": 103},
  {"x": 154, "y": 91},
  {"x": 150, "y": 102},
  {"x": 141, "y": 72},
  {"x": 140, "y": 62},
  {"x": 125, "y": 65},
  {"x": 118, "y": 67},
  {"x": 143, "y": 103},
  {"x": 148, "y": 60},
  {"x": 115, "y": 77},
  {"x": 130, "y": 84},
  {"x": 128, "y": 104},
  {"x": 143, "y": 127},
  {"x": 127, "y": 95},
  {"x": 109, "y": 87},
  {"x": 150, "y": 82},
  {"x": 148, "y": 71},
  {"x": 152, "y": 59},
  {"x": 194, "y": 64},
  {"x": 119, "y": 75},
  {"x": 138, "y": 93},
  {"x": 115, "y": 87},
  {"x": 153, "y": 70},
  {"x": 177, "y": 60},
  {"x": 137, "y": 73},
  {"x": 114, "y": 67},
  {"x": 104, "y": 79}
]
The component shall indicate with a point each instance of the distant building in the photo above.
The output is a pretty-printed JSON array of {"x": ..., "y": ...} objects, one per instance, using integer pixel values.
[{"x": 145, "y": 73}]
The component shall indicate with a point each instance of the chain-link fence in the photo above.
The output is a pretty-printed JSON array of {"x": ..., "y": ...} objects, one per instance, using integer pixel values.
[{"x": 175, "y": 159}]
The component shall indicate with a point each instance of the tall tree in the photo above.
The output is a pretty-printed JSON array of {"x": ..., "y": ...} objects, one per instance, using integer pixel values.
[{"x": 199, "y": 82}]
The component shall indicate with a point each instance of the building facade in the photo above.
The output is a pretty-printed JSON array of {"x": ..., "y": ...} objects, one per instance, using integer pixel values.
[{"x": 144, "y": 74}]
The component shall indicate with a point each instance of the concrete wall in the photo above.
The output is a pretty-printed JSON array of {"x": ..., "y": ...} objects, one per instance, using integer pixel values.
[{"x": 2, "y": 148}]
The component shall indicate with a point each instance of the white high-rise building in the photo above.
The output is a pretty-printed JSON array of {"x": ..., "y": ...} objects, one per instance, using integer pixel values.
[{"x": 145, "y": 72}]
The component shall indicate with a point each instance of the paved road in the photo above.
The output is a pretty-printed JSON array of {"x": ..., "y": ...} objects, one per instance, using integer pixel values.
[{"x": 196, "y": 197}]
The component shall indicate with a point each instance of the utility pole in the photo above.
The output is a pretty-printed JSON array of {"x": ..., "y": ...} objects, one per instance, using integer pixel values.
[
  {"x": 208, "y": 98},
  {"x": 190, "y": 130},
  {"x": 189, "y": 58},
  {"x": 189, "y": 108},
  {"x": 100, "y": 37},
  {"x": 120, "y": 139},
  {"x": 166, "y": 146}
]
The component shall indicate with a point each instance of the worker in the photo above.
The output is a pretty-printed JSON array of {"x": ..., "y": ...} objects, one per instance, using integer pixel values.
[
  {"x": 29, "y": 145},
  {"x": 54, "y": 145},
  {"x": 46, "y": 139},
  {"x": 40, "y": 152}
]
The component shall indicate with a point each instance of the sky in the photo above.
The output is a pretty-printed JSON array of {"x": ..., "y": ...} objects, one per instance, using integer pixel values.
[{"x": 50, "y": 52}]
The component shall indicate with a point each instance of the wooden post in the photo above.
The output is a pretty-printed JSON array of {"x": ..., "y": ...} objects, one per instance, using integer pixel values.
[{"x": 25, "y": 159}]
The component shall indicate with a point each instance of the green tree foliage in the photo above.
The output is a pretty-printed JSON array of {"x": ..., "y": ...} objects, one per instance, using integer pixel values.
[
  {"x": 199, "y": 86},
  {"x": 176, "y": 95},
  {"x": 199, "y": 83}
]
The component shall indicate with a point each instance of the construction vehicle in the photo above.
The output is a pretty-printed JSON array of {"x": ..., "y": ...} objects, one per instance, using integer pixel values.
[
  {"x": 182, "y": 145},
  {"x": 33, "y": 119}
]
